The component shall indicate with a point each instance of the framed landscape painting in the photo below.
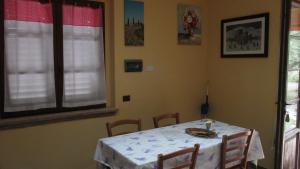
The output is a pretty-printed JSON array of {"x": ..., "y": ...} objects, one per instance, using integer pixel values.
[
  {"x": 134, "y": 23},
  {"x": 245, "y": 36},
  {"x": 189, "y": 24}
]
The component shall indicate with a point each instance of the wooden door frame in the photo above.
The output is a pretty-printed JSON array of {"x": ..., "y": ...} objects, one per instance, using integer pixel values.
[
  {"x": 285, "y": 24},
  {"x": 281, "y": 102}
]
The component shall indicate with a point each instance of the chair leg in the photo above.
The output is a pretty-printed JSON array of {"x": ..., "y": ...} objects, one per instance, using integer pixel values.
[
  {"x": 101, "y": 166},
  {"x": 250, "y": 165}
]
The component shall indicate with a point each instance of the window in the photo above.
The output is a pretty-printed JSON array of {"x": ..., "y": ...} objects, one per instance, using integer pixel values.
[
  {"x": 53, "y": 58},
  {"x": 83, "y": 56}
]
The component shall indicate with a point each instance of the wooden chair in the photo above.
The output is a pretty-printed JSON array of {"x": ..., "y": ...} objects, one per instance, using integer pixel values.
[
  {"x": 156, "y": 119},
  {"x": 241, "y": 146},
  {"x": 111, "y": 125},
  {"x": 190, "y": 164}
]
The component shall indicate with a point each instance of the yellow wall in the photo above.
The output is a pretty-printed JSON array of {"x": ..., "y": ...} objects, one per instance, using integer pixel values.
[
  {"x": 244, "y": 91},
  {"x": 176, "y": 84}
]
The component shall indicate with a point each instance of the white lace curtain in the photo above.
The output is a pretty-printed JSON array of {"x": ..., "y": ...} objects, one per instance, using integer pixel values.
[
  {"x": 29, "y": 73},
  {"x": 84, "y": 69}
]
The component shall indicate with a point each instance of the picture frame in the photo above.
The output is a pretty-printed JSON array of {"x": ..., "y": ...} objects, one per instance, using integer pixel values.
[
  {"x": 189, "y": 24},
  {"x": 245, "y": 37},
  {"x": 134, "y": 22},
  {"x": 133, "y": 65}
]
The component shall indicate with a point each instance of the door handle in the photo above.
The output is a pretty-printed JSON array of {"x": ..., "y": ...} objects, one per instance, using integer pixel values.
[
  {"x": 287, "y": 117},
  {"x": 290, "y": 102},
  {"x": 287, "y": 104}
]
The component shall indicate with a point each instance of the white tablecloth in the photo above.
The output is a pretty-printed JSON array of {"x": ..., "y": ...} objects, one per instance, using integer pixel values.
[{"x": 139, "y": 150}]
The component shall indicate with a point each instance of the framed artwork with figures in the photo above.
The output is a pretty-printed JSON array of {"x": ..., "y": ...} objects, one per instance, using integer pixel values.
[{"x": 246, "y": 36}]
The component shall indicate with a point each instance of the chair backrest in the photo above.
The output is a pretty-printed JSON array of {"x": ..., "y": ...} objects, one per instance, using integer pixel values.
[
  {"x": 190, "y": 163},
  {"x": 241, "y": 144},
  {"x": 156, "y": 119},
  {"x": 111, "y": 125}
]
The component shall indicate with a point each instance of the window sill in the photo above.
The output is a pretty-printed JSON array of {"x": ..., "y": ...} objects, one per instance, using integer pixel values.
[{"x": 23, "y": 122}]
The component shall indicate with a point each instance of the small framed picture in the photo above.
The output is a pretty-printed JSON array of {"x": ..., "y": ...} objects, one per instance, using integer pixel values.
[
  {"x": 134, "y": 23},
  {"x": 189, "y": 25},
  {"x": 246, "y": 36}
]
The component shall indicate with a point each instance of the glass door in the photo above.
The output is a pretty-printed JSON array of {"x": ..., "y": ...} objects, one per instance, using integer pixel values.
[
  {"x": 292, "y": 90},
  {"x": 290, "y": 153}
]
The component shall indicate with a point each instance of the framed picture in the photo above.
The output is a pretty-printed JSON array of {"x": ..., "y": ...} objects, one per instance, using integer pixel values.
[
  {"x": 245, "y": 36},
  {"x": 134, "y": 23},
  {"x": 189, "y": 24}
]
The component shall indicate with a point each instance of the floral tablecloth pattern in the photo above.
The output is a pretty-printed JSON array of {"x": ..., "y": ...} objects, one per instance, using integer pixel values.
[{"x": 139, "y": 150}]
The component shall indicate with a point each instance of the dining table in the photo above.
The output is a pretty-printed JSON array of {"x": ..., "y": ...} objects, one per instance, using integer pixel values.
[{"x": 139, "y": 150}]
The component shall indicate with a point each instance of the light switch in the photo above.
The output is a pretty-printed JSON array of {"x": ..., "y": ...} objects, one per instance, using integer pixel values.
[{"x": 150, "y": 68}]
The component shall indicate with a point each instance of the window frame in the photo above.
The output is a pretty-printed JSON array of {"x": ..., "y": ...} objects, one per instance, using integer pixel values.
[{"x": 57, "y": 14}]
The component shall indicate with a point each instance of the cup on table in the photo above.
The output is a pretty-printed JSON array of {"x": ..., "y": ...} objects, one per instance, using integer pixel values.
[{"x": 208, "y": 125}]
